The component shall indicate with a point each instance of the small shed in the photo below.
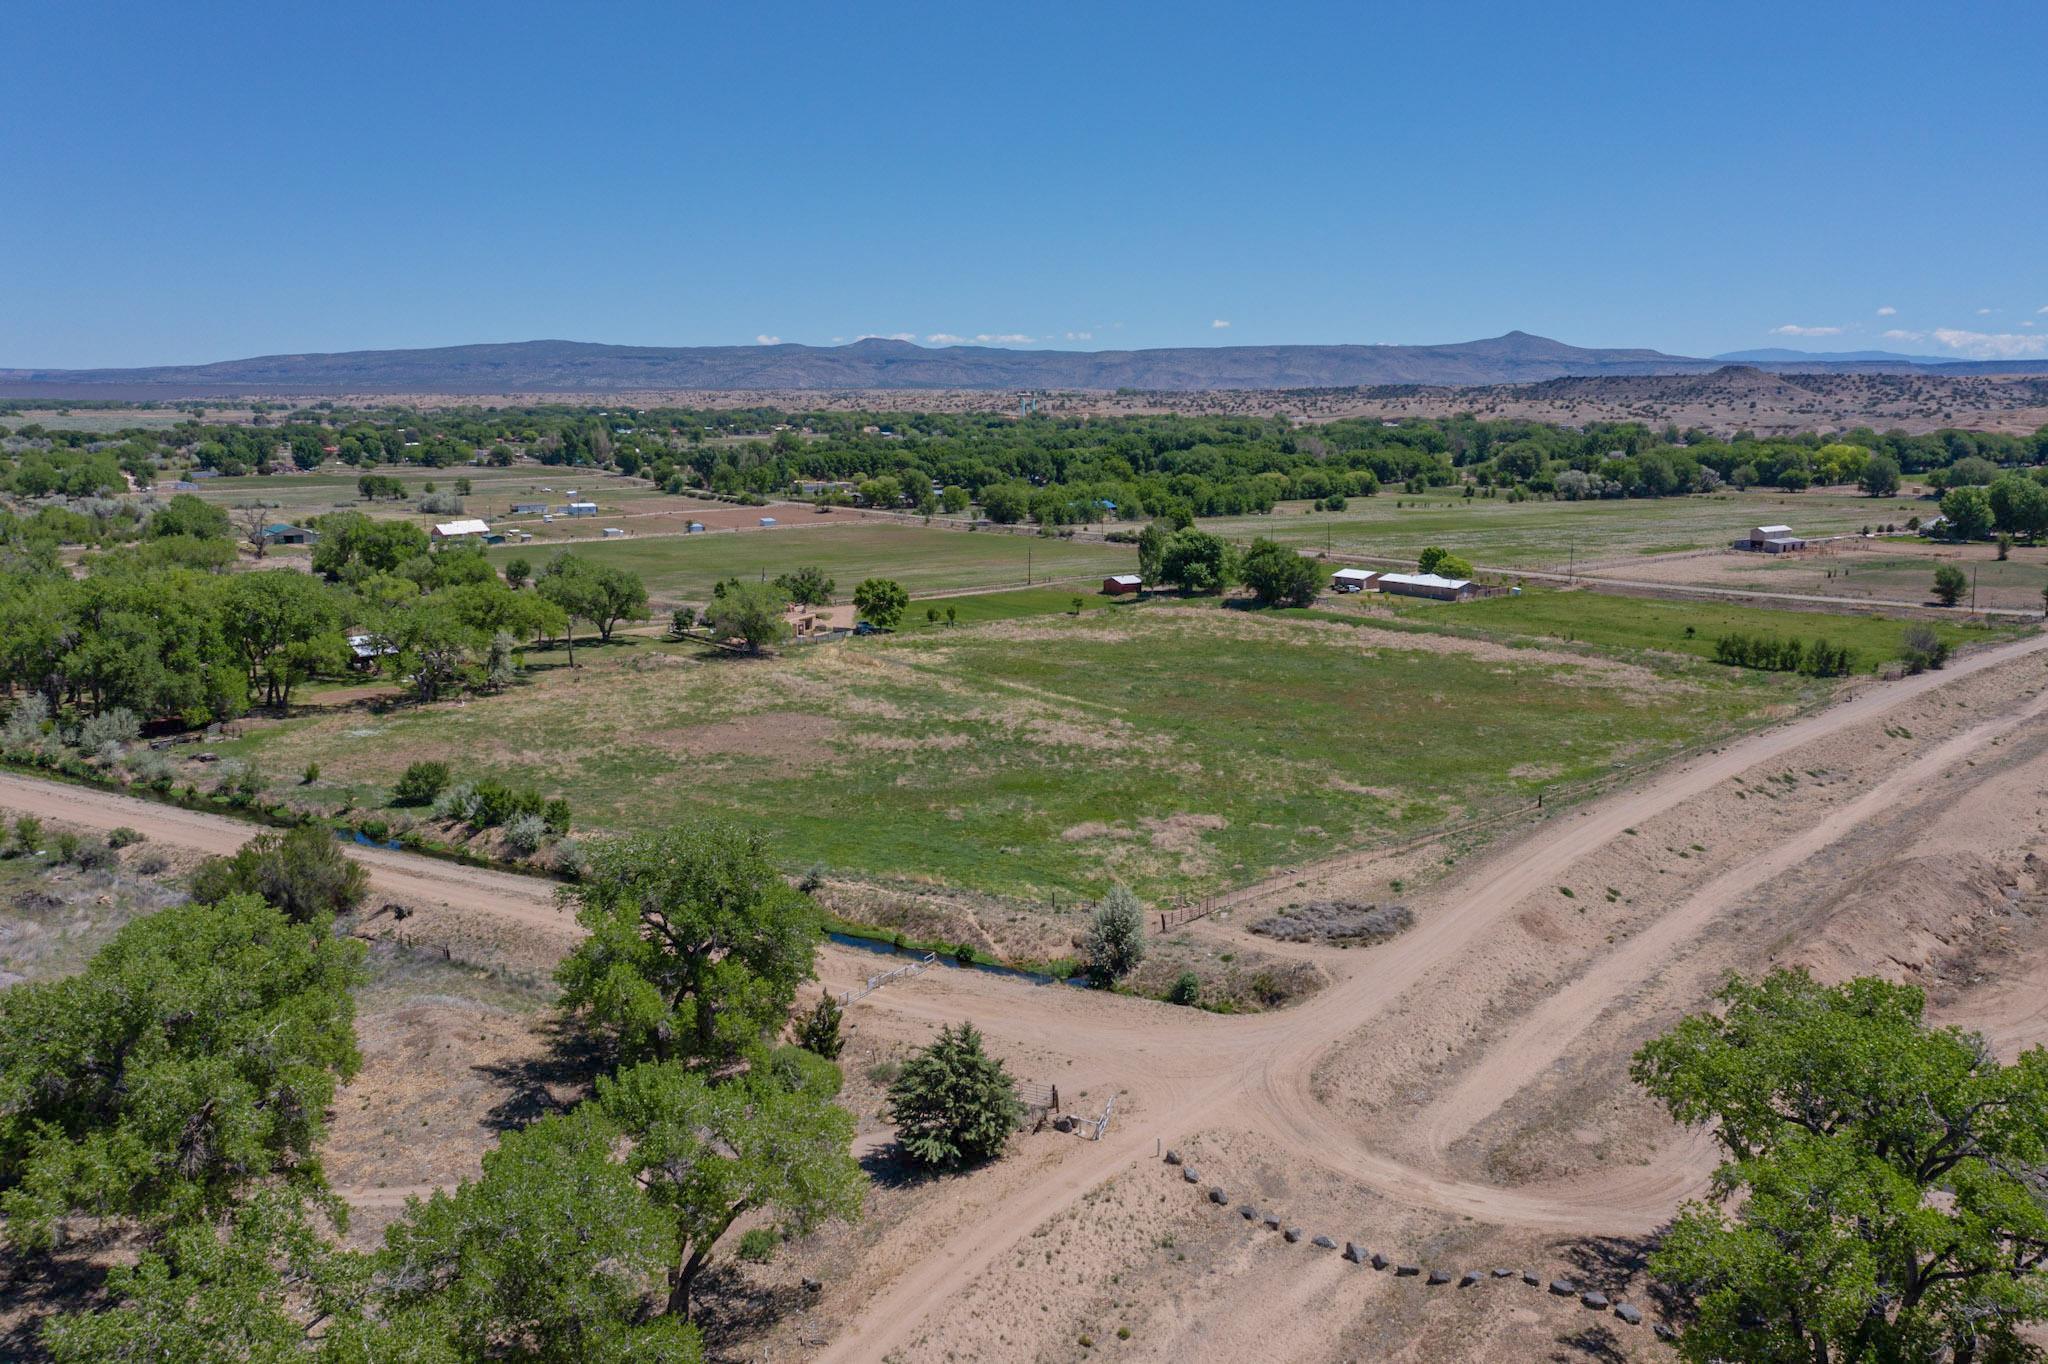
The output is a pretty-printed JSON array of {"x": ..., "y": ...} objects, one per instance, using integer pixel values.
[
  {"x": 1122, "y": 585},
  {"x": 1770, "y": 540},
  {"x": 694, "y": 527},
  {"x": 281, "y": 534},
  {"x": 767, "y": 520},
  {"x": 612, "y": 532},
  {"x": 1431, "y": 585},
  {"x": 460, "y": 530},
  {"x": 581, "y": 509},
  {"x": 1354, "y": 579},
  {"x": 528, "y": 508}
]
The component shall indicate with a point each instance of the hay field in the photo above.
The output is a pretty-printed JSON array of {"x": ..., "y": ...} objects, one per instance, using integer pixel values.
[
  {"x": 1496, "y": 533},
  {"x": 1176, "y": 748},
  {"x": 925, "y": 560}
]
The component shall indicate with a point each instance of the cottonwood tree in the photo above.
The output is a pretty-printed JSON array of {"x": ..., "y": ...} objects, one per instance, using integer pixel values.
[
  {"x": 1197, "y": 561},
  {"x": 195, "y": 1055},
  {"x": 749, "y": 612},
  {"x": 286, "y": 627},
  {"x": 1882, "y": 1195},
  {"x": 547, "y": 1257},
  {"x": 1279, "y": 576},
  {"x": 263, "y": 1284},
  {"x": 881, "y": 602},
  {"x": 954, "y": 1104},
  {"x": 769, "y": 1140},
  {"x": 806, "y": 586},
  {"x": 251, "y": 521},
  {"x": 695, "y": 947},
  {"x": 1116, "y": 937}
]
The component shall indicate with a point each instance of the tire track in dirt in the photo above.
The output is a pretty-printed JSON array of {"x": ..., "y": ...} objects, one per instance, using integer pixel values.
[
  {"x": 1547, "y": 1032},
  {"x": 1262, "y": 1072}
]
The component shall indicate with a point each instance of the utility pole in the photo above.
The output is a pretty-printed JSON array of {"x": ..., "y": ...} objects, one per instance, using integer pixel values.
[
  {"x": 1973, "y": 586},
  {"x": 1027, "y": 563}
]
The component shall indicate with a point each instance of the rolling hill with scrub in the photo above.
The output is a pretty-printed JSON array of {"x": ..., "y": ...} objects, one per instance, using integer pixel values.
[{"x": 883, "y": 363}]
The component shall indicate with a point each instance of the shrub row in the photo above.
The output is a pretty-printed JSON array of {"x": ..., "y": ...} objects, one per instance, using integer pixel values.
[{"x": 1768, "y": 653}]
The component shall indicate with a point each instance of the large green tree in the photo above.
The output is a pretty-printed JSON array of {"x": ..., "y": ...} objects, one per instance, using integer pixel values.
[
  {"x": 286, "y": 627},
  {"x": 1968, "y": 510},
  {"x": 881, "y": 602},
  {"x": 1278, "y": 576},
  {"x": 196, "y": 1054},
  {"x": 752, "y": 613},
  {"x": 1198, "y": 561},
  {"x": 806, "y": 586},
  {"x": 696, "y": 945},
  {"x": 767, "y": 1141},
  {"x": 1882, "y": 1198},
  {"x": 546, "y": 1258}
]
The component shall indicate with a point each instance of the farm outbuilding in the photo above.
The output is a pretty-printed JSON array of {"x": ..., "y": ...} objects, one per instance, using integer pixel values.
[
  {"x": 459, "y": 530},
  {"x": 767, "y": 521},
  {"x": 581, "y": 509},
  {"x": 528, "y": 508},
  {"x": 1770, "y": 540},
  {"x": 1430, "y": 585},
  {"x": 1122, "y": 585},
  {"x": 1354, "y": 579},
  {"x": 281, "y": 534}
]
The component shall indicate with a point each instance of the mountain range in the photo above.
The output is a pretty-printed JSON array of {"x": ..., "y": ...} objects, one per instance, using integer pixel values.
[{"x": 879, "y": 363}]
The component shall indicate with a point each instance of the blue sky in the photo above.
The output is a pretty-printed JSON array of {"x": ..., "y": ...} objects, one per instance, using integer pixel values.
[{"x": 189, "y": 183}]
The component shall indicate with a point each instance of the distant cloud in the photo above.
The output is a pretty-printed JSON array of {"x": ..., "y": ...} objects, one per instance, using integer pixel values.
[
  {"x": 1897, "y": 335},
  {"x": 764, "y": 339},
  {"x": 2041, "y": 312},
  {"x": 1984, "y": 312},
  {"x": 945, "y": 339},
  {"x": 886, "y": 336},
  {"x": 1794, "y": 329},
  {"x": 1887, "y": 311},
  {"x": 1006, "y": 339},
  {"x": 1992, "y": 345},
  {"x": 1219, "y": 323},
  {"x": 1080, "y": 336}
]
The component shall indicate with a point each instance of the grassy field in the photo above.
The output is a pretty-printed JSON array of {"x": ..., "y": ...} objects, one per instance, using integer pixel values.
[
  {"x": 1686, "y": 627},
  {"x": 683, "y": 568},
  {"x": 1175, "y": 748},
  {"x": 1496, "y": 533}
]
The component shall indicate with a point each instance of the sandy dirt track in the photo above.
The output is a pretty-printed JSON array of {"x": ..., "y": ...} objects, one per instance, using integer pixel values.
[
  {"x": 1185, "y": 1072},
  {"x": 524, "y": 899}
]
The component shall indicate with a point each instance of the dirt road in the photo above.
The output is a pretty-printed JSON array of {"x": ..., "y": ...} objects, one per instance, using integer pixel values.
[
  {"x": 1183, "y": 1072},
  {"x": 524, "y": 899},
  {"x": 1185, "y": 1075}
]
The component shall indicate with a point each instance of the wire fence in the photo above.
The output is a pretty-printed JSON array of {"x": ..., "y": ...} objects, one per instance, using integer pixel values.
[{"x": 876, "y": 982}]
